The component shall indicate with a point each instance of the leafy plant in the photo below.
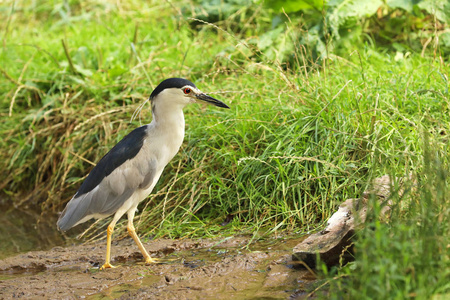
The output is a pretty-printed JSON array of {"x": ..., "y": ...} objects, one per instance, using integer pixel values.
[
  {"x": 407, "y": 257},
  {"x": 336, "y": 26}
]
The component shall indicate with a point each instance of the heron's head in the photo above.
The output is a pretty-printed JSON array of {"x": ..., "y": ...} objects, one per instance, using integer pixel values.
[{"x": 180, "y": 92}]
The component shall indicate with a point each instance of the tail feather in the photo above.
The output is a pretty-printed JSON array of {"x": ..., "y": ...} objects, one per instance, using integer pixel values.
[{"x": 75, "y": 211}]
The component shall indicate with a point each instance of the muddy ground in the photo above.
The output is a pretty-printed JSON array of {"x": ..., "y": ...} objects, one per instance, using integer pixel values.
[{"x": 200, "y": 269}]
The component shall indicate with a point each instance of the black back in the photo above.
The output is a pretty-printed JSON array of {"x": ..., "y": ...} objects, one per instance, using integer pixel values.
[
  {"x": 171, "y": 83},
  {"x": 126, "y": 149}
]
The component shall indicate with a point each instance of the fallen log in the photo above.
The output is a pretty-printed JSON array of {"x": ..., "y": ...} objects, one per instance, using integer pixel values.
[{"x": 334, "y": 243}]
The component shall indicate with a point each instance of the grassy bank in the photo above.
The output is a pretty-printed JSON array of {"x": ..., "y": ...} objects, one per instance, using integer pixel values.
[{"x": 299, "y": 138}]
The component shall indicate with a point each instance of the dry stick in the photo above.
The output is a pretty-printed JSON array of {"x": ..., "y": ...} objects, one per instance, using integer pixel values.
[
  {"x": 300, "y": 158},
  {"x": 341, "y": 256},
  {"x": 9, "y": 77},
  {"x": 136, "y": 28},
  {"x": 14, "y": 99},
  {"x": 332, "y": 100},
  {"x": 137, "y": 111},
  {"x": 82, "y": 158},
  {"x": 169, "y": 189},
  {"x": 65, "y": 165},
  {"x": 133, "y": 48},
  {"x": 324, "y": 284},
  {"x": 69, "y": 59},
  {"x": 8, "y": 22},
  {"x": 112, "y": 111},
  {"x": 88, "y": 229},
  {"x": 25, "y": 67},
  {"x": 100, "y": 57},
  {"x": 20, "y": 85}
]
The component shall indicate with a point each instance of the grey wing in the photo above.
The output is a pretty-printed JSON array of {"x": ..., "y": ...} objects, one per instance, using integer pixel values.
[{"x": 110, "y": 194}]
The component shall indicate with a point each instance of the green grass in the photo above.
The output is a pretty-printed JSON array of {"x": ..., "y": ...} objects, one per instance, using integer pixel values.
[{"x": 296, "y": 142}]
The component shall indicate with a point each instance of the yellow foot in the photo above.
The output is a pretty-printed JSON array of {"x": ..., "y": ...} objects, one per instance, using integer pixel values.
[
  {"x": 152, "y": 260},
  {"x": 107, "y": 266}
]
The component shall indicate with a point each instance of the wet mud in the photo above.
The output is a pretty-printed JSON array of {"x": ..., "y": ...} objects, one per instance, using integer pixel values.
[{"x": 230, "y": 268}]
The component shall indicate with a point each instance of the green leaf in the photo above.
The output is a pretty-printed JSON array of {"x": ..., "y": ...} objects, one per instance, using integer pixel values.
[
  {"x": 116, "y": 71},
  {"x": 346, "y": 8},
  {"x": 403, "y": 4},
  {"x": 439, "y": 8},
  {"x": 294, "y": 5},
  {"x": 342, "y": 10},
  {"x": 445, "y": 39},
  {"x": 85, "y": 72}
]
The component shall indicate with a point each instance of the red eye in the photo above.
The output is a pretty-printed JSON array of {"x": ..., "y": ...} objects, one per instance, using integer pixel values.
[{"x": 187, "y": 90}]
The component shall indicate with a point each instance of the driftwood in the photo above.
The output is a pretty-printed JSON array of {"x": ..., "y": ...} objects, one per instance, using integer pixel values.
[{"x": 334, "y": 243}]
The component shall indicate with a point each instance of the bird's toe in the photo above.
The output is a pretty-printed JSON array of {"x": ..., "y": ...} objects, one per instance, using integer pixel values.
[
  {"x": 107, "y": 265},
  {"x": 152, "y": 260}
]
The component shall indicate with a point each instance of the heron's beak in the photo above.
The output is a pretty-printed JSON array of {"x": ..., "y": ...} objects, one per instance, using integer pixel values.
[{"x": 210, "y": 100}]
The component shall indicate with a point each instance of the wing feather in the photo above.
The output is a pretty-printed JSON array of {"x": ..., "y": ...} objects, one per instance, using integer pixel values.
[{"x": 105, "y": 189}]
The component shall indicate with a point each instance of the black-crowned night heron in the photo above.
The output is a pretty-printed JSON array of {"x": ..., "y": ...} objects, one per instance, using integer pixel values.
[{"x": 127, "y": 174}]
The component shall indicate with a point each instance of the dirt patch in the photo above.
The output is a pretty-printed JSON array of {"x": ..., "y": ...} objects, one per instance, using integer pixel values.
[{"x": 206, "y": 269}]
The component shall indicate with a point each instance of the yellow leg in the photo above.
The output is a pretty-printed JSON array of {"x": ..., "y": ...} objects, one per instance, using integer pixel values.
[
  {"x": 132, "y": 232},
  {"x": 109, "y": 233}
]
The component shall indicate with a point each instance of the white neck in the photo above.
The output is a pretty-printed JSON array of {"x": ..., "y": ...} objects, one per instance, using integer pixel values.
[{"x": 168, "y": 117}]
